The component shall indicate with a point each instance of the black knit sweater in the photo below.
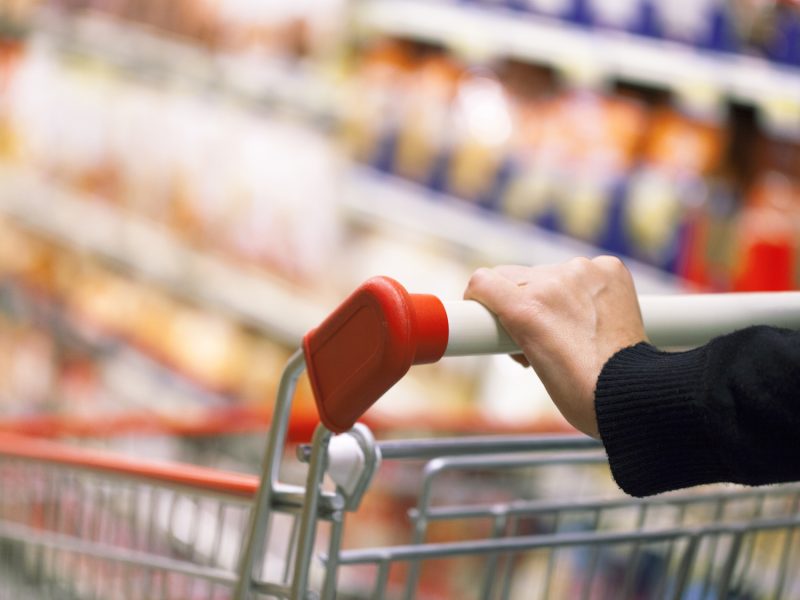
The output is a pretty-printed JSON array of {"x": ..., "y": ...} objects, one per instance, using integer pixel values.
[{"x": 727, "y": 411}]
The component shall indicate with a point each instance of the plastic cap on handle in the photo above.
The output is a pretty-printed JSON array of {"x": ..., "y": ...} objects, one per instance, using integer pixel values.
[{"x": 367, "y": 344}]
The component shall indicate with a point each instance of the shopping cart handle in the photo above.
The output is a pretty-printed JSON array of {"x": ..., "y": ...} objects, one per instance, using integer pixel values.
[{"x": 371, "y": 340}]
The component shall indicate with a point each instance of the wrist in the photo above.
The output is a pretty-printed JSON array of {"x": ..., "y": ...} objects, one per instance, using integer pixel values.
[{"x": 650, "y": 417}]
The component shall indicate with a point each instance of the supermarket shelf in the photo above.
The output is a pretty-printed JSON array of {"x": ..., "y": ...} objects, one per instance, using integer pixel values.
[
  {"x": 501, "y": 32},
  {"x": 141, "y": 51},
  {"x": 151, "y": 251},
  {"x": 375, "y": 197}
]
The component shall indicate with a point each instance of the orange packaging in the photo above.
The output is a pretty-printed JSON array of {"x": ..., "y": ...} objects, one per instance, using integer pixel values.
[
  {"x": 671, "y": 187},
  {"x": 681, "y": 144}
]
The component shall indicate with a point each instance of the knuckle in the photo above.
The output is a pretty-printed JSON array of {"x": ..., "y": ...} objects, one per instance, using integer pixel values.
[
  {"x": 610, "y": 264},
  {"x": 479, "y": 276},
  {"x": 478, "y": 280},
  {"x": 546, "y": 292},
  {"x": 607, "y": 260},
  {"x": 579, "y": 267},
  {"x": 580, "y": 262}
]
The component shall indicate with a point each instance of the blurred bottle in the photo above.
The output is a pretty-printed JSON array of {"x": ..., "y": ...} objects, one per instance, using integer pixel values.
[
  {"x": 483, "y": 124},
  {"x": 670, "y": 185},
  {"x": 707, "y": 238},
  {"x": 531, "y": 186},
  {"x": 605, "y": 133},
  {"x": 767, "y": 236},
  {"x": 527, "y": 186},
  {"x": 572, "y": 163},
  {"x": 768, "y": 226},
  {"x": 427, "y": 119},
  {"x": 374, "y": 107}
]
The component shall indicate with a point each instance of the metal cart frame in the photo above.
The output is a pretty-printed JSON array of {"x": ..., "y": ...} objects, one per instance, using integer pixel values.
[{"x": 136, "y": 540}]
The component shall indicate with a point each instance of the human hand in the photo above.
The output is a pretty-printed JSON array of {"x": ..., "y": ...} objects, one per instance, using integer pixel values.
[{"x": 568, "y": 320}]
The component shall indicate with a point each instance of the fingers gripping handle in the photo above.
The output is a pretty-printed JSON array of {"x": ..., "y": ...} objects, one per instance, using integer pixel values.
[{"x": 677, "y": 320}]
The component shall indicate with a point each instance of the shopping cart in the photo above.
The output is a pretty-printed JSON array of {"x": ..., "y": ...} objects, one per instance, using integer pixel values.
[{"x": 487, "y": 517}]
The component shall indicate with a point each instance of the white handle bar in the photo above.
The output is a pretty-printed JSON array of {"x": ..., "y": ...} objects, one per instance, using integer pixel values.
[
  {"x": 679, "y": 320},
  {"x": 370, "y": 341}
]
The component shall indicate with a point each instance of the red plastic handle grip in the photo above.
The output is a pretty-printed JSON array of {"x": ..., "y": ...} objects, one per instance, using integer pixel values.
[{"x": 367, "y": 344}]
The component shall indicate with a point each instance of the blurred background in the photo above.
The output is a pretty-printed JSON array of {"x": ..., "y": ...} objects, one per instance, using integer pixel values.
[{"x": 187, "y": 187}]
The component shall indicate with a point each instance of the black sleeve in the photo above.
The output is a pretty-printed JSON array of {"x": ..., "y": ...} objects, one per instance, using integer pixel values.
[{"x": 727, "y": 411}]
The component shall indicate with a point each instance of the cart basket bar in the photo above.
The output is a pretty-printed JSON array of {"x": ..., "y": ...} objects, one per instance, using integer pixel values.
[{"x": 191, "y": 477}]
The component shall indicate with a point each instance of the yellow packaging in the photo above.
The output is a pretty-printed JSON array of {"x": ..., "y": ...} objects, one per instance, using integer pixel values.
[
  {"x": 680, "y": 153},
  {"x": 426, "y": 120},
  {"x": 376, "y": 98}
]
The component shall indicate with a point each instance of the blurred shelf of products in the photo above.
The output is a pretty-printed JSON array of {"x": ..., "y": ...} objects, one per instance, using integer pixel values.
[
  {"x": 626, "y": 159},
  {"x": 196, "y": 183}
]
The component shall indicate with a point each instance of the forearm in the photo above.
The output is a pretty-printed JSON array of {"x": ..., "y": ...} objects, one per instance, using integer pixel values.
[{"x": 728, "y": 411}]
